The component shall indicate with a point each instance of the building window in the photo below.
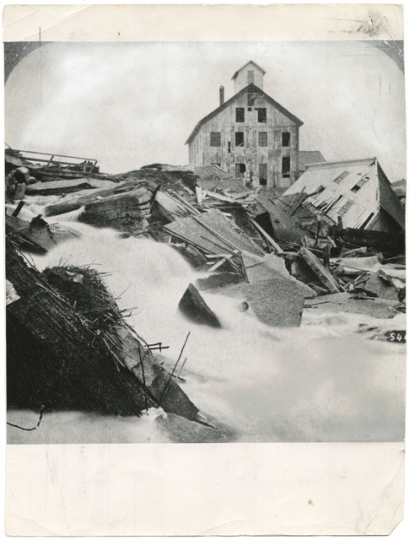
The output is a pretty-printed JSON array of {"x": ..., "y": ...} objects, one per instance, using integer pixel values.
[
  {"x": 240, "y": 114},
  {"x": 239, "y": 138},
  {"x": 250, "y": 77},
  {"x": 285, "y": 167},
  {"x": 361, "y": 183},
  {"x": 339, "y": 178},
  {"x": 229, "y": 147},
  {"x": 240, "y": 170},
  {"x": 251, "y": 97},
  {"x": 285, "y": 138},
  {"x": 345, "y": 208},
  {"x": 262, "y": 174},
  {"x": 262, "y": 138},
  {"x": 215, "y": 138},
  {"x": 262, "y": 115}
]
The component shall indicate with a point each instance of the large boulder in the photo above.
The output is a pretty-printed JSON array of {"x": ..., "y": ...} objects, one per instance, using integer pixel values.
[
  {"x": 195, "y": 308},
  {"x": 275, "y": 302}
]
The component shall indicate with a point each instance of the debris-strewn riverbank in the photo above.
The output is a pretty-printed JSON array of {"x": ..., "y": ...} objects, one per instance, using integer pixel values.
[{"x": 105, "y": 272}]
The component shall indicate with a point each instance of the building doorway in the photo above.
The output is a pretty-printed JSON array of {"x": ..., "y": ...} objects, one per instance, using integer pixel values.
[
  {"x": 240, "y": 170},
  {"x": 262, "y": 174}
]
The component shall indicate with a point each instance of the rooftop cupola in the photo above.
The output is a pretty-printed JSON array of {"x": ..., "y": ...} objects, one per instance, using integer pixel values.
[{"x": 249, "y": 73}]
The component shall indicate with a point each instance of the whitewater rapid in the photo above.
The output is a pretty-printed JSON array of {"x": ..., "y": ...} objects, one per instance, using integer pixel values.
[{"x": 319, "y": 382}]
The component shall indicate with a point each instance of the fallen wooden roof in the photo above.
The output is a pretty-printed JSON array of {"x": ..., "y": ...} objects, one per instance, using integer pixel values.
[{"x": 355, "y": 190}]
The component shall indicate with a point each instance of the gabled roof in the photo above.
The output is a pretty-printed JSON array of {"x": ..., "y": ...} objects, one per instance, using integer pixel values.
[
  {"x": 250, "y": 62},
  {"x": 250, "y": 88},
  {"x": 332, "y": 189}
]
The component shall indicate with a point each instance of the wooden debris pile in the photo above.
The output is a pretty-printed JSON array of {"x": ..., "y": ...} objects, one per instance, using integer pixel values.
[
  {"x": 214, "y": 221},
  {"x": 214, "y": 226},
  {"x": 68, "y": 347}
]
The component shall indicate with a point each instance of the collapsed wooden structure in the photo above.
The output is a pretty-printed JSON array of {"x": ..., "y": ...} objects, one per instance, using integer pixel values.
[{"x": 68, "y": 347}]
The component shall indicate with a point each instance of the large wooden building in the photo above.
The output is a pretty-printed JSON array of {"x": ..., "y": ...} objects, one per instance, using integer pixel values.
[{"x": 251, "y": 136}]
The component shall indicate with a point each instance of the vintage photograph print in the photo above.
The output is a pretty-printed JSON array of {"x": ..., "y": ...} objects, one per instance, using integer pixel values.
[{"x": 205, "y": 241}]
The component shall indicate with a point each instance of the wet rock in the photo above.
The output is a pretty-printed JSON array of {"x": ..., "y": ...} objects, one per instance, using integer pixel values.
[
  {"x": 195, "y": 308},
  {"x": 267, "y": 267},
  {"x": 276, "y": 302},
  {"x": 381, "y": 288}
]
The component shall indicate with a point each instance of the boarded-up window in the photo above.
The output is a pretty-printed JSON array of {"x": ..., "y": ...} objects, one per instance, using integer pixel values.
[
  {"x": 342, "y": 211},
  {"x": 251, "y": 97},
  {"x": 262, "y": 115},
  {"x": 286, "y": 166},
  {"x": 240, "y": 114},
  {"x": 239, "y": 138},
  {"x": 215, "y": 138},
  {"x": 262, "y": 174},
  {"x": 262, "y": 138},
  {"x": 250, "y": 77},
  {"x": 285, "y": 138},
  {"x": 339, "y": 178}
]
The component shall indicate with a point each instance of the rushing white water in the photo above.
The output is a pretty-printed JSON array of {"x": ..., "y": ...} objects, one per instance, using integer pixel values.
[{"x": 319, "y": 382}]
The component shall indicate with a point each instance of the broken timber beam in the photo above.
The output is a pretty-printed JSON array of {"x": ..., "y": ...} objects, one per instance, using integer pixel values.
[
  {"x": 323, "y": 274},
  {"x": 267, "y": 236}
]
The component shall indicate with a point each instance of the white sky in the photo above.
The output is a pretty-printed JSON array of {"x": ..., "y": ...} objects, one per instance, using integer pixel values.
[{"x": 131, "y": 104}]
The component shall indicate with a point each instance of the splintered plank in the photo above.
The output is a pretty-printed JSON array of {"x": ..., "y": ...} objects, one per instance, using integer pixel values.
[
  {"x": 323, "y": 274},
  {"x": 267, "y": 236},
  {"x": 218, "y": 222},
  {"x": 212, "y": 232},
  {"x": 170, "y": 207}
]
